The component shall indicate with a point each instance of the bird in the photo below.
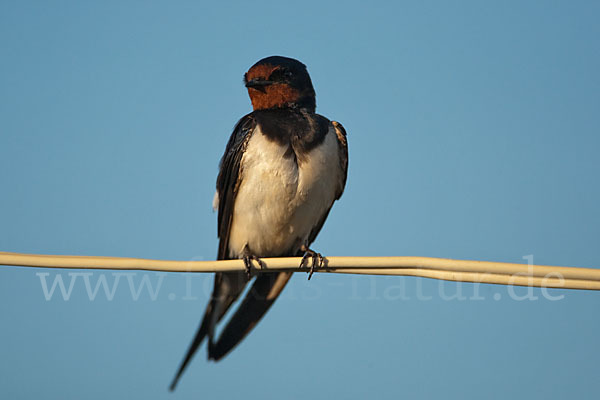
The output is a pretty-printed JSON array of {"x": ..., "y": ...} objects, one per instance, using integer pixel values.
[{"x": 283, "y": 168}]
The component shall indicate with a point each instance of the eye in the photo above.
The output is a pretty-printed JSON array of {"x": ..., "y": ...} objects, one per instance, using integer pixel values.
[{"x": 281, "y": 75}]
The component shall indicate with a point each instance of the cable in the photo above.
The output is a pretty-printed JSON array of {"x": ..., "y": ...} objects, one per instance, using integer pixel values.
[{"x": 426, "y": 267}]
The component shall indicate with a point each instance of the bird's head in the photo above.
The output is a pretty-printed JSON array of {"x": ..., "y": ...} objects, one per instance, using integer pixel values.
[{"x": 280, "y": 82}]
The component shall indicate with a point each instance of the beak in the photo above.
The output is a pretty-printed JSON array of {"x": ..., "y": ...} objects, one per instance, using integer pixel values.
[{"x": 258, "y": 84}]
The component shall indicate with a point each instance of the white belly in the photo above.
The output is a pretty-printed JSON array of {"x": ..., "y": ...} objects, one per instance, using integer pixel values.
[{"x": 280, "y": 200}]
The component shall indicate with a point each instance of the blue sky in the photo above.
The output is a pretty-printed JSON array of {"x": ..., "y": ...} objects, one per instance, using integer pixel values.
[{"x": 473, "y": 132}]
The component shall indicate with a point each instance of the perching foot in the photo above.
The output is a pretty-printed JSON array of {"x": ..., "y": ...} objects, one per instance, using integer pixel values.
[
  {"x": 317, "y": 260},
  {"x": 248, "y": 257}
]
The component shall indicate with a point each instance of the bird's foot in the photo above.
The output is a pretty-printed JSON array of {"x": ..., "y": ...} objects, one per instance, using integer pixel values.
[
  {"x": 248, "y": 257},
  {"x": 317, "y": 260}
]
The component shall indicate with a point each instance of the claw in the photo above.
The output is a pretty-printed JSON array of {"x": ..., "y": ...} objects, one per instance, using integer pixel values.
[
  {"x": 317, "y": 260},
  {"x": 248, "y": 265},
  {"x": 248, "y": 257}
]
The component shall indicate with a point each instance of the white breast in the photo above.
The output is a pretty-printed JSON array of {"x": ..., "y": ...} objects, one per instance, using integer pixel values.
[{"x": 280, "y": 200}]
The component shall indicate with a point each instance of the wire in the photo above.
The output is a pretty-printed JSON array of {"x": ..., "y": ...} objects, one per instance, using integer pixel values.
[{"x": 426, "y": 267}]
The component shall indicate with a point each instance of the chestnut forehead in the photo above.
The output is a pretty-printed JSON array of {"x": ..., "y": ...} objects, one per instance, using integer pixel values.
[{"x": 261, "y": 71}]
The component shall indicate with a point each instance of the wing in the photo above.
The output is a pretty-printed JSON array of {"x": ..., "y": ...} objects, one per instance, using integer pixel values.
[
  {"x": 340, "y": 133},
  {"x": 229, "y": 179},
  {"x": 258, "y": 300},
  {"x": 227, "y": 286}
]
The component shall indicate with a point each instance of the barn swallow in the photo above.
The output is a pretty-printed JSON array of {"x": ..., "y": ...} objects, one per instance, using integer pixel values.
[{"x": 283, "y": 168}]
